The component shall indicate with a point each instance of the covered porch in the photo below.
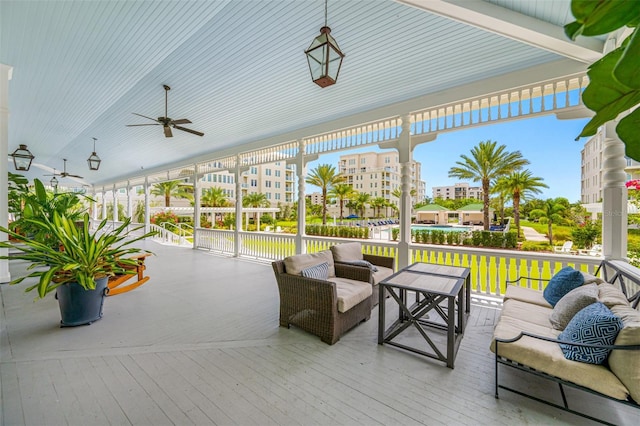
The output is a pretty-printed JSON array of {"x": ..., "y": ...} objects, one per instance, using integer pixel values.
[{"x": 200, "y": 344}]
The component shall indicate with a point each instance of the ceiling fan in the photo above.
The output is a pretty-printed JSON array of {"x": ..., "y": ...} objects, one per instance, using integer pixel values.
[
  {"x": 166, "y": 122},
  {"x": 64, "y": 172}
]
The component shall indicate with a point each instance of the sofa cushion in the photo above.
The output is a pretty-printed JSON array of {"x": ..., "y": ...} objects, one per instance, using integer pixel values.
[
  {"x": 534, "y": 314},
  {"x": 571, "y": 303},
  {"x": 527, "y": 295},
  {"x": 595, "y": 324},
  {"x": 381, "y": 274},
  {"x": 347, "y": 251},
  {"x": 350, "y": 292},
  {"x": 590, "y": 279},
  {"x": 548, "y": 357},
  {"x": 295, "y": 264},
  {"x": 319, "y": 272},
  {"x": 611, "y": 295},
  {"x": 562, "y": 283},
  {"x": 626, "y": 363}
]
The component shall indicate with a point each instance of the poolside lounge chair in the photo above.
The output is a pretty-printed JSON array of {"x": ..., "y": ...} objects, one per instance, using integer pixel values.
[
  {"x": 565, "y": 248},
  {"x": 595, "y": 250}
]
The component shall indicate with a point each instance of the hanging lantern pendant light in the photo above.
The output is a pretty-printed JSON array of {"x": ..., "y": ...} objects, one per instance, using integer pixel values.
[
  {"x": 324, "y": 56},
  {"x": 22, "y": 158},
  {"x": 93, "y": 160}
]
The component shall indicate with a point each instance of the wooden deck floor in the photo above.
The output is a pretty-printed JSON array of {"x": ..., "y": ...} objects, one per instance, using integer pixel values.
[{"x": 200, "y": 344}]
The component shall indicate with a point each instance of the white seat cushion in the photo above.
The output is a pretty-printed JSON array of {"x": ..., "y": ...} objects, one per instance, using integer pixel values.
[
  {"x": 295, "y": 264},
  {"x": 381, "y": 274},
  {"x": 350, "y": 292},
  {"x": 347, "y": 251}
]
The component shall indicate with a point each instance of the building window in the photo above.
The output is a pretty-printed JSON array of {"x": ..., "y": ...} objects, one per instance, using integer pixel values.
[
  {"x": 254, "y": 182},
  {"x": 352, "y": 161},
  {"x": 277, "y": 173},
  {"x": 277, "y": 195},
  {"x": 267, "y": 172},
  {"x": 267, "y": 183},
  {"x": 363, "y": 161},
  {"x": 254, "y": 170},
  {"x": 268, "y": 194}
]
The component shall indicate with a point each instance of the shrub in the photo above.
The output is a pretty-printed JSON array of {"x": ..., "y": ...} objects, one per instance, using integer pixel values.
[
  {"x": 394, "y": 233},
  {"x": 535, "y": 246},
  {"x": 586, "y": 234},
  {"x": 162, "y": 217}
]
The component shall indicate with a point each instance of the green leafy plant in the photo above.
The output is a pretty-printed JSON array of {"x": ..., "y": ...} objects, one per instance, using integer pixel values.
[
  {"x": 80, "y": 256},
  {"x": 614, "y": 80},
  {"x": 38, "y": 204}
]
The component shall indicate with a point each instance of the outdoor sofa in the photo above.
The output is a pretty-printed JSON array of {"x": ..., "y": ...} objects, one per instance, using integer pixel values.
[{"x": 536, "y": 337}]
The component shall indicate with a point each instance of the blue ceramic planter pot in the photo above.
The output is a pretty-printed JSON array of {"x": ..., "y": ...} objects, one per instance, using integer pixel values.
[{"x": 79, "y": 306}]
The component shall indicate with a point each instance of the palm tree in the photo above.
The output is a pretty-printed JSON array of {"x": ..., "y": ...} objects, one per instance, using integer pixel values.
[
  {"x": 361, "y": 200},
  {"x": 520, "y": 185},
  {"x": 255, "y": 199},
  {"x": 487, "y": 162},
  {"x": 378, "y": 203},
  {"x": 551, "y": 210},
  {"x": 172, "y": 188},
  {"x": 214, "y": 197},
  {"x": 324, "y": 177},
  {"x": 342, "y": 192}
]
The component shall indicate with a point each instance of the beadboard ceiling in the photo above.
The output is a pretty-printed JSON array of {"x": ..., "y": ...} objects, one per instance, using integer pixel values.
[{"x": 236, "y": 68}]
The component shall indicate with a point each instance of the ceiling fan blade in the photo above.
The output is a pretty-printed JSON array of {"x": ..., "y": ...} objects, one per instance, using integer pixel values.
[
  {"x": 184, "y": 129},
  {"x": 153, "y": 119},
  {"x": 74, "y": 176},
  {"x": 167, "y": 132},
  {"x": 181, "y": 121},
  {"x": 150, "y": 124}
]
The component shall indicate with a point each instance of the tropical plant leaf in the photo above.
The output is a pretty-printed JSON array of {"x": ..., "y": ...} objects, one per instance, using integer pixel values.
[
  {"x": 601, "y": 17},
  {"x": 606, "y": 96},
  {"x": 627, "y": 130},
  {"x": 627, "y": 70}
]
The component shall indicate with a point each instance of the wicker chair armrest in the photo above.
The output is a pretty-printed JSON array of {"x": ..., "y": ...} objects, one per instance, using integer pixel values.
[
  {"x": 517, "y": 280},
  {"x": 353, "y": 272},
  {"x": 551, "y": 339},
  {"x": 384, "y": 261},
  {"x": 299, "y": 289}
]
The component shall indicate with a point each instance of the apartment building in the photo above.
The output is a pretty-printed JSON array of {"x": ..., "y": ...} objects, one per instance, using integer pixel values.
[
  {"x": 379, "y": 175},
  {"x": 274, "y": 180},
  {"x": 591, "y": 169},
  {"x": 459, "y": 191}
]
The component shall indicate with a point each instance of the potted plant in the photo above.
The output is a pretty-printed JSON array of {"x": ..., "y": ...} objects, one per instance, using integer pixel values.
[{"x": 78, "y": 266}]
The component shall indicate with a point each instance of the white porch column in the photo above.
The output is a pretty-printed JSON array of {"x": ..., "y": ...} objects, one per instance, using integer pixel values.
[
  {"x": 147, "y": 212},
  {"x": 94, "y": 205},
  {"x": 115, "y": 204},
  {"x": 614, "y": 196},
  {"x": 404, "y": 154},
  {"x": 196, "y": 204},
  {"x": 238, "y": 177},
  {"x": 301, "y": 171},
  {"x": 129, "y": 202},
  {"x": 104, "y": 204},
  {"x": 5, "y": 76}
]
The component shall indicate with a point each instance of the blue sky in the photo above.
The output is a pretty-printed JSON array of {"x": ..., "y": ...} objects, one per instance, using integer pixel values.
[{"x": 548, "y": 143}]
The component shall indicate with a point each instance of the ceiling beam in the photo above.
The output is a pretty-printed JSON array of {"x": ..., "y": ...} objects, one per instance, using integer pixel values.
[{"x": 513, "y": 25}]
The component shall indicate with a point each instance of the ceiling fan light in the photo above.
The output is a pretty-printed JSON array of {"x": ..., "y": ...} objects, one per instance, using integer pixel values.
[
  {"x": 94, "y": 161},
  {"x": 22, "y": 158}
]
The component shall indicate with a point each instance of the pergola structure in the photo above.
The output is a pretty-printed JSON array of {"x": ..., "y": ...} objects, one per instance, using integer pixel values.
[{"x": 72, "y": 71}]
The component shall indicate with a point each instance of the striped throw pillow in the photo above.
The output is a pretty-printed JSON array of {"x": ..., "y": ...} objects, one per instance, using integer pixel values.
[{"x": 319, "y": 272}]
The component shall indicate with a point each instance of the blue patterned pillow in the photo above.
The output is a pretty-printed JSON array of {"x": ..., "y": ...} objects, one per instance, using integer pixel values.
[
  {"x": 562, "y": 283},
  {"x": 319, "y": 272},
  {"x": 595, "y": 324},
  {"x": 363, "y": 263}
]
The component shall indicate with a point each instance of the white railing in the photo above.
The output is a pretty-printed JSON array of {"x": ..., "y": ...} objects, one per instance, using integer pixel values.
[
  {"x": 165, "y": 236},
  {"x": 533, "y": 99},
  {"x": 490, "y": 268}
]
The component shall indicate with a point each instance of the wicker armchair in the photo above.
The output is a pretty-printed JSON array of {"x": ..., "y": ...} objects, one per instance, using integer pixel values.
[{"x": 312, "y": 304}]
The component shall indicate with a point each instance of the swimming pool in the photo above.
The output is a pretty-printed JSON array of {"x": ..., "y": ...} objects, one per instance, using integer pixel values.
[{"x": 445, "y": 228}]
